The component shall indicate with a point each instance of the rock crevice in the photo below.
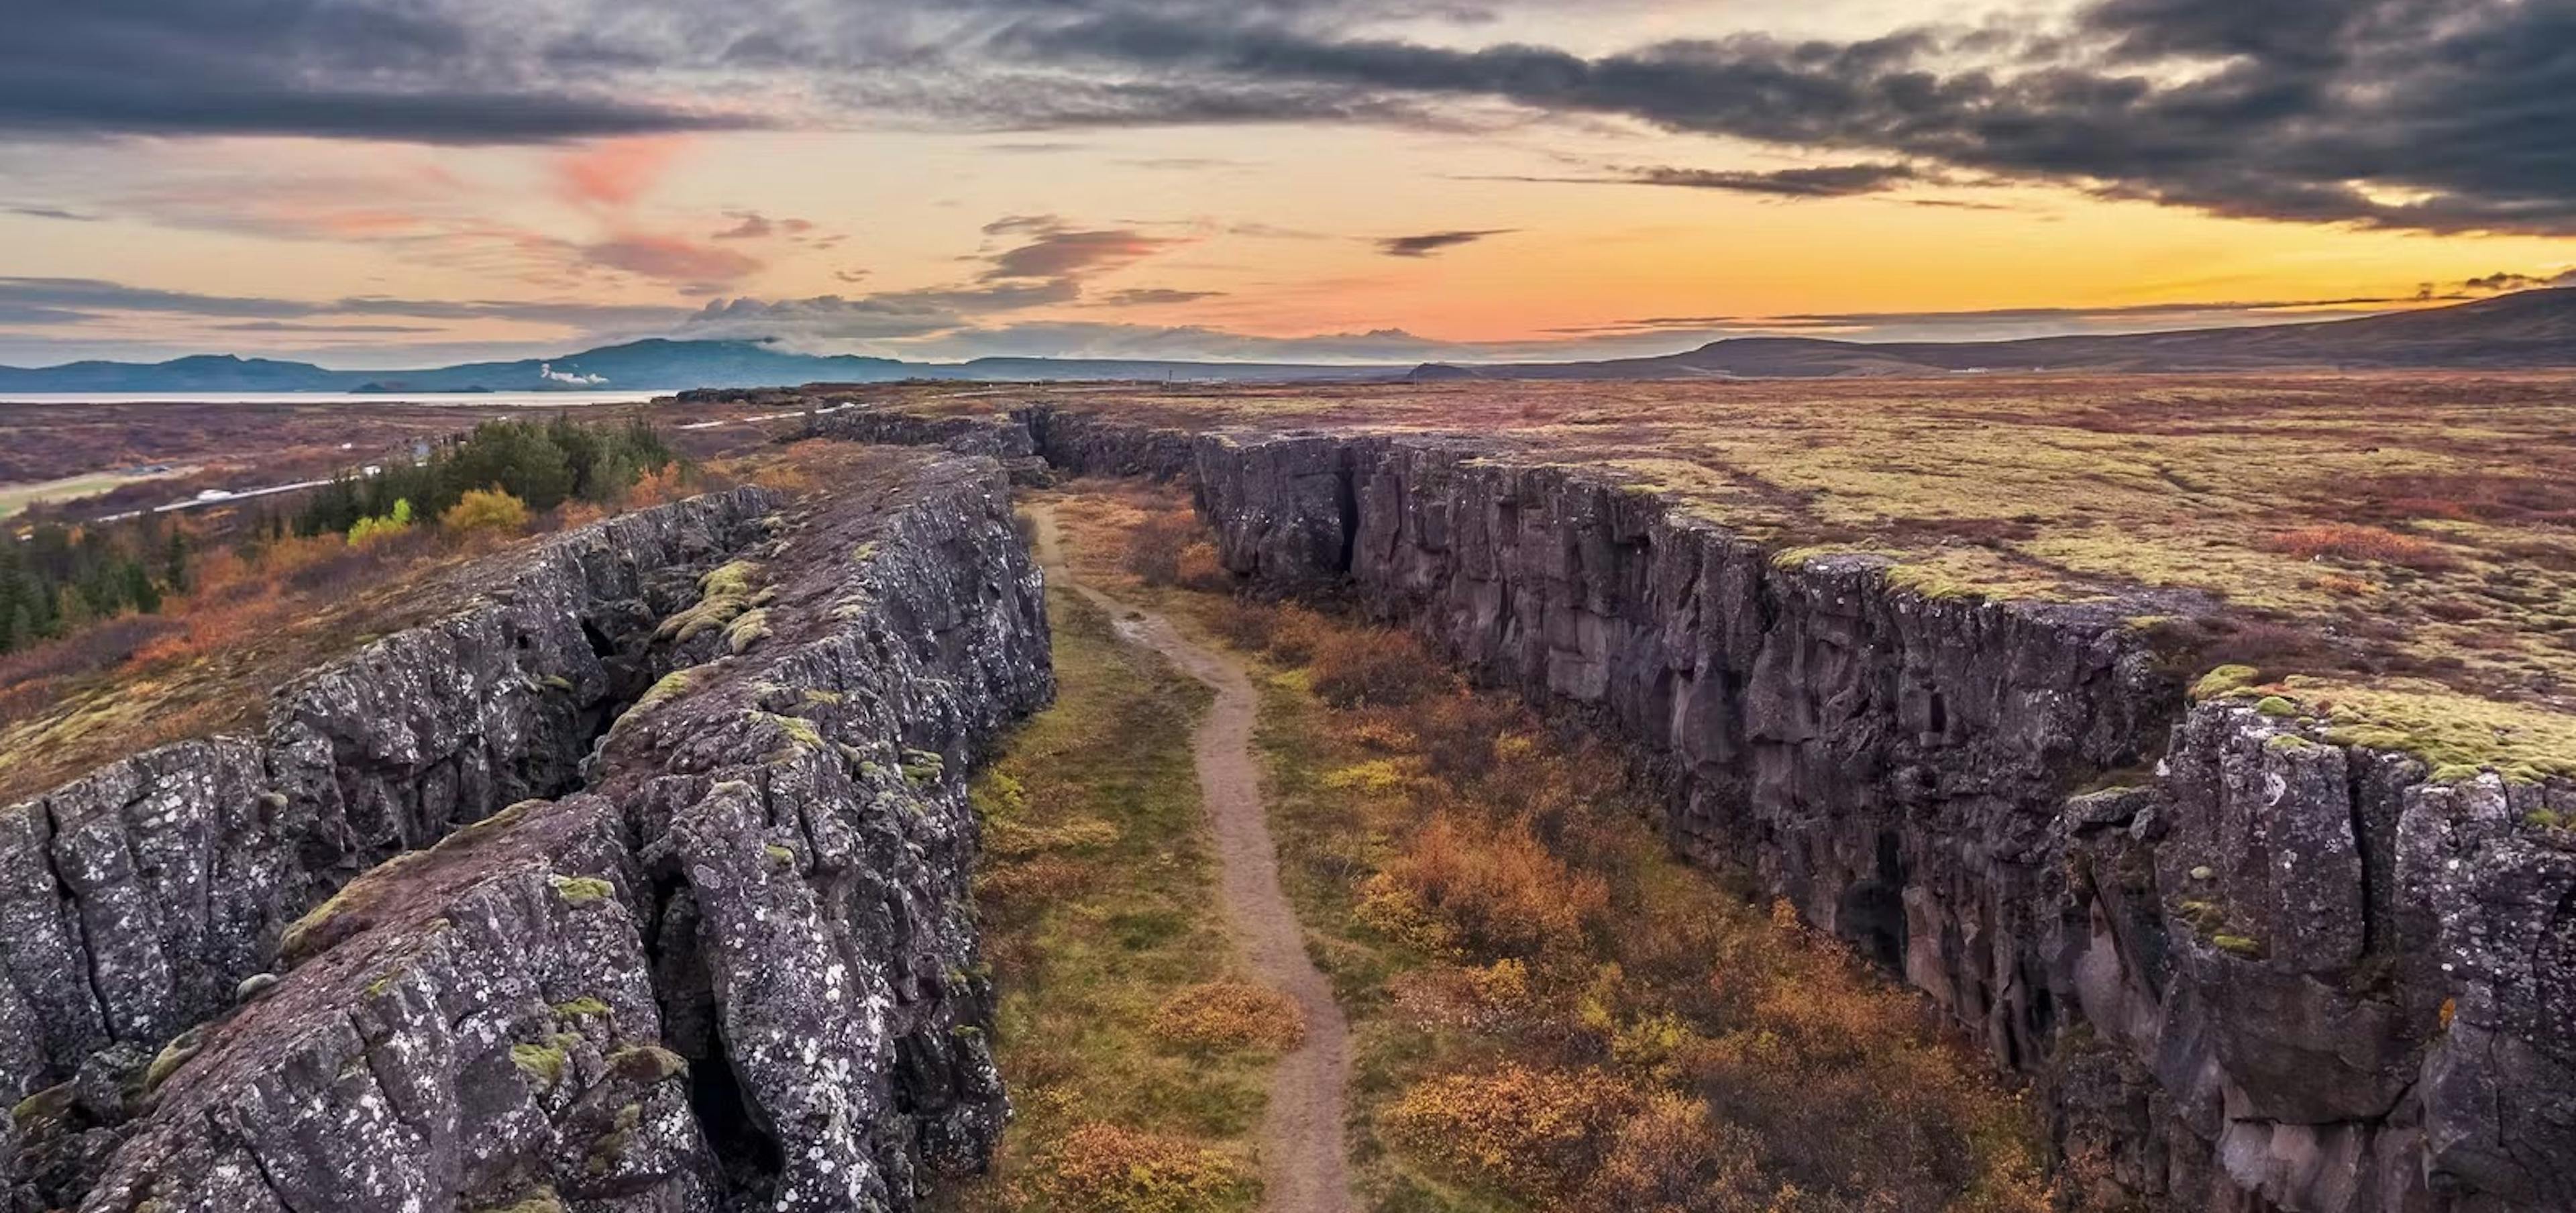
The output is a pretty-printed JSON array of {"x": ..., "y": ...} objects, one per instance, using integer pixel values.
[
  {"x": 2246, "y": 967},
  {"x": 134, "y": 899},
  {"x": 737, "y": 969}
]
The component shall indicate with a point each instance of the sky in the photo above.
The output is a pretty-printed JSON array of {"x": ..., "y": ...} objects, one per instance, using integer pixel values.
[{"x": 387, "y": 183}]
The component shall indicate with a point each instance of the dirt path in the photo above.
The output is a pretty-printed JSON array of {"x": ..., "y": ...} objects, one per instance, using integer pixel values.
[{"x": 1301, "y": 1133}]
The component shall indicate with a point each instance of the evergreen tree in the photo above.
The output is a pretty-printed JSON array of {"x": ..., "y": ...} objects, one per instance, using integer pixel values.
[{"x": 139, "y": 590}]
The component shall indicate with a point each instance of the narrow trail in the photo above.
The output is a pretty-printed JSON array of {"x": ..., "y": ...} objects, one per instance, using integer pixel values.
[{"x": 1303, "y": 1168}]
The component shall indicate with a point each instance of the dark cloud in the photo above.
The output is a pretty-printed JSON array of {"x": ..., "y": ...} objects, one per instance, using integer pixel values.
[
  {"x": 1045, "y": 261},
  {"x": 1428, "y": 243},
  {"x": 1831, "y": 181},
  {"x": 1155, "y": 297},
  {"x": 752, "y": 225},
  {"x": 2504, "y": 281},
  {"x": 47, "y": 212},
  {"x": 32, "y": 314},
  {"x": 2444, "y": 115},
  {"x": 1825, "y": 181},
  {"x": 90, "y": 295},
  {"x": 1056, "y": 249},
  {"x": 292, "y": 326},
  {"x": 2438, "y": 115},
  {"x": 1988, "y": 323},
  {"x": 438, "y": 71}
]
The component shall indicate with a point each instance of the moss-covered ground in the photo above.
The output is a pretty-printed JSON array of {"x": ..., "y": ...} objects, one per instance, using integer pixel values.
[
  {"x": 2409, "y": 534},
  {"x": 1099, "y": 907}
]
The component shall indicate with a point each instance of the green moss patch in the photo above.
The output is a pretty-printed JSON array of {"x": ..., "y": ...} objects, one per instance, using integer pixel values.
[
  {"x": 581, "y": 890},
  {"x": 2457, "y": 735}
]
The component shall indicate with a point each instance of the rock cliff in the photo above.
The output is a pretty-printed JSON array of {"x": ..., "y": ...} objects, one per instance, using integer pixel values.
[
  {"x": 2277, "y": 972},
  {"x": 732, "y": 965},
  {"x": 2245, "y": 967},
  {"x": 134, "y": 899}
]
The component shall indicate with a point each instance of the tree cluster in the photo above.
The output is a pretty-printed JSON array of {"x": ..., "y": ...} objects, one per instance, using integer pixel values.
[
  {"x": 58, "y": 579},
  {"x": 542, "y": 463}
]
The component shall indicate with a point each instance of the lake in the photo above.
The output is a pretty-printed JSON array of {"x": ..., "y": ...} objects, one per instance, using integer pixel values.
[{"x": 488, "y": 400}]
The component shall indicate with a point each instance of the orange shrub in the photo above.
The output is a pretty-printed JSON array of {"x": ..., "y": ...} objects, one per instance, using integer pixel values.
[
  {"x": 1538, "y": 1134},
  {"x": 2348, "y": 542},
  {"x": 666, "y": 485},
  {"x": 1101, "y": 1168},
  {"x": 1374, "y": 667},
  {"x": 1158, "y": 542},
  {"x": 1494, "y": 891},
  {"x": 1496, "y": 998},
  {"x": 1230, "y": 1015},
  {"x": 1199, "y": 567},
  {"x": 1671, "y": 1155},
  {"x": 1295, "y": 634}
]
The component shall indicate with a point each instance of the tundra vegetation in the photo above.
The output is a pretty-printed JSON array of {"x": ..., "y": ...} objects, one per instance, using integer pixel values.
[
  {"x": 2388, "y": 550},
  {"x": 1134, "y": 1054},
  {"x": 1550, "y": 1010}
]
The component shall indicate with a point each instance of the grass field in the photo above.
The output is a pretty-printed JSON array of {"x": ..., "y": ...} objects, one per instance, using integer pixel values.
[{"x": 17, "y": 497}]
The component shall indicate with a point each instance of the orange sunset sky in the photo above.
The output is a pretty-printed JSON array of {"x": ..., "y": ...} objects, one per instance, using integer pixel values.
[{"x": 1302, "y": 179}]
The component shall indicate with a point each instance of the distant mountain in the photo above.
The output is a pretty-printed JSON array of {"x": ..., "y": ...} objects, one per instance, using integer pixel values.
[
  {"x": 202, "y": 373},
  {"x": 2529, "y": 329},
  {"x": 655, "y": 365}
]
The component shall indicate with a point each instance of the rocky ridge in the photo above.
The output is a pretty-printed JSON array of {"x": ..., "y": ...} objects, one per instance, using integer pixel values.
[
  {"x": 735, "y": 969},
  {"x": 134, "y": 899},
  {"x": 2245, "y": 966}
]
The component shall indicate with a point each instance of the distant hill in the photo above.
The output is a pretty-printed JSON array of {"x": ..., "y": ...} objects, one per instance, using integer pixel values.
[
  {"x": 2525, "y": 330},
  {"x": 2529, "y": 329},
  {"x": 655, "y": 365}
]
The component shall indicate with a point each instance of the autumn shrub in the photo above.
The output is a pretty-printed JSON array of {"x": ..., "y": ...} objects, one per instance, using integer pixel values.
[
  {"x": 1295, "y": 635},
  {"x": 1244, "y": 624},
  {"x": 1156, "y": 547},
  {"x": 1200, "y": 568},
  {"x": 1102, "y": 1168},
  {"x": 2348, "y": 542},
  {"x": 1538, "y": 1134},
  {"x": 669, "y": 484},
  {"x": 1493, "y": 891},
  {"x": 1374, "y": 667},
  {"x": 1498, "y": 999},
  {"x": 1286, "y": 633},
  {"x": 1221, "y": 1015},
  {"x": 1460, "y": 732},
  {"x": 485, "y": 510},
  {"x": 28, "y": 677},
  {"x": 573, "y": 515},
  {"x": 1032, "y": 883},
  {"x": 1671, "y": 1156}
]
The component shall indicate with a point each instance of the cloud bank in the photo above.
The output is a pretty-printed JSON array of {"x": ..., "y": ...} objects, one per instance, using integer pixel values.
[{"x": 2434, "y": 115}]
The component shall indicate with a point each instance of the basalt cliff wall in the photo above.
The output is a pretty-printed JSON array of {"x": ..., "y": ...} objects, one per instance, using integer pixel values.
[
  {"x": 133, "y": 900},
  {"x": 2245, "y": 968},
  {"x": 732, "y": 965}
]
